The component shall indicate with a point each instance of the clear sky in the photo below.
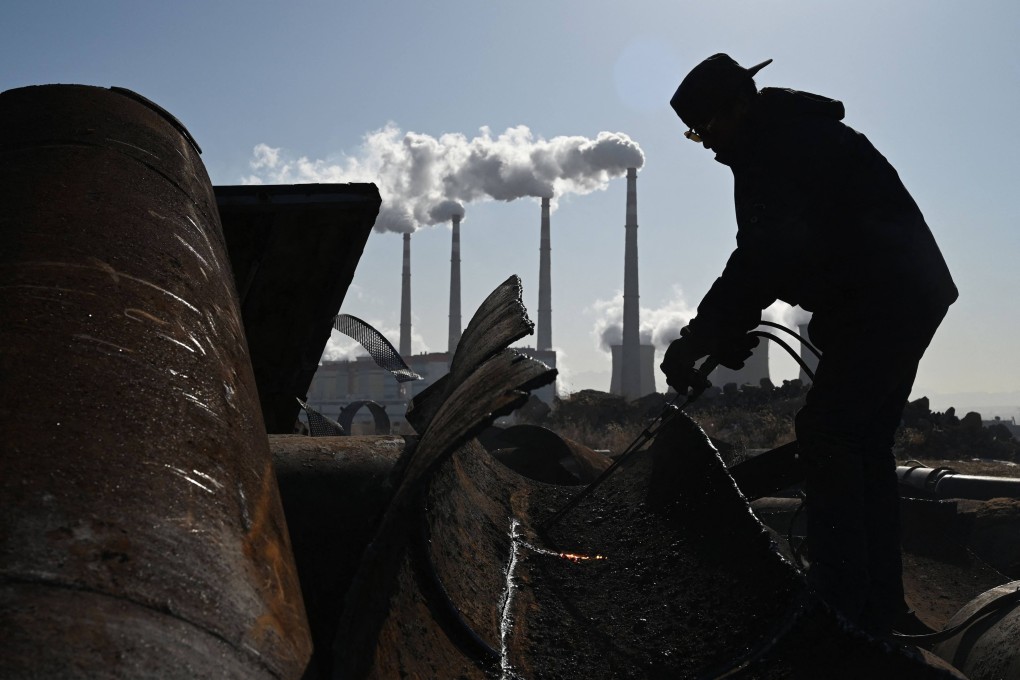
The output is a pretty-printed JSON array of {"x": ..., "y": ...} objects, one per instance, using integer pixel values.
[{"x": 935, "y": 84}]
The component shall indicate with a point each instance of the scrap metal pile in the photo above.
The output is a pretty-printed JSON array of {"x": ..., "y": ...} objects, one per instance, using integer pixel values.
[
  {"x": 150, "y": 528},
  {"x": 663, "y": 572}
]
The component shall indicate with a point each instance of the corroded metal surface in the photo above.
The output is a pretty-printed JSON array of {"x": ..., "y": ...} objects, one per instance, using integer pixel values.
[
  {"x": 543, "y": 455},
  {"x": 142, "y": 524},
  {"x": 987, "y": 649},
  {"x": 334, "y": 491},
  {"x": 432, "y": 603}
]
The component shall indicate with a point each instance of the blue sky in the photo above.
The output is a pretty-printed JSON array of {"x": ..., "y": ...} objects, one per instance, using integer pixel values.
[{"x": 934, "y": 84}]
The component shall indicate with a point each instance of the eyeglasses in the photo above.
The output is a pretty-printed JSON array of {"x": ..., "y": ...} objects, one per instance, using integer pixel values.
[{"x": 696, "y": 136}]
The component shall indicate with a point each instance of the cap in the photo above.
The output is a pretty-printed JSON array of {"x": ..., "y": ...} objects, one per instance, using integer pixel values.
[{"x": 711, "y": 86}]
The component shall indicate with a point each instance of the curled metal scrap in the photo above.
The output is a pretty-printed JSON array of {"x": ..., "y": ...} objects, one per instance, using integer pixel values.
[
  {"x": 321, "y": 426},
  {"x": 486, "y": 380},
  {"x": 379, "y": 348},
  {"x": 500, "y": 320},
  {"x": 987, "y": 648},
  {"x": 496, "y": 388}
]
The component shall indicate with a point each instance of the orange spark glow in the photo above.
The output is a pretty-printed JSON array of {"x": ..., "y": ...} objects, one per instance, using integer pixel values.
[{"x": 577, "y": 559}]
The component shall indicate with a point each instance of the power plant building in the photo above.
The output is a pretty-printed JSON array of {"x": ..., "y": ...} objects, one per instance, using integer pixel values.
[{"x": 339, "y": 383}]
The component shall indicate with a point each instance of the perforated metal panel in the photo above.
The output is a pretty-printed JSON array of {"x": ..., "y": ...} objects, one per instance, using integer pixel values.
[
  {"x": 380, "y": 349},
  {"x": 319, "y": 425}
]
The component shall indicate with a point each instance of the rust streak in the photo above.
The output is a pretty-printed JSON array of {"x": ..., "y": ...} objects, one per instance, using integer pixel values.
[{"x": 262, "y": 546}]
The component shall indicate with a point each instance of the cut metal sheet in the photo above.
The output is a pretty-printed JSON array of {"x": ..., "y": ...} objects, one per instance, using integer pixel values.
[{"x": 293, "y": 250}]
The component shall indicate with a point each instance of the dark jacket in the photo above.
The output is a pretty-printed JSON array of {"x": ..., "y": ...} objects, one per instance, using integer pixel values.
[{"x": 823, "y": 221}]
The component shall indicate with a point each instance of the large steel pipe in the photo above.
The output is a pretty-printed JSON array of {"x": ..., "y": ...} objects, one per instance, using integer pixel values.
[
  {"x": 946, "y": 483},
  {"x": 334, "y": 490},
  {"x": 142, "y": 532},
  {"x": 986, "y": 648}
]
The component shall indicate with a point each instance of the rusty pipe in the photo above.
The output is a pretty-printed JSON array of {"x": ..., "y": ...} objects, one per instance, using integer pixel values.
[
  {"x": 946, "y": 483},
  {"x": 142, "y": 531}
]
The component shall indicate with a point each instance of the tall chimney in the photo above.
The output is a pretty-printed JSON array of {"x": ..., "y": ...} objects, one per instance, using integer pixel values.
[
  {"x": 544, "y": 283},
  {"x": 405, "y": 300},
  {"x": 455, "y": 287},
  {"x": 631, "y": 359}
]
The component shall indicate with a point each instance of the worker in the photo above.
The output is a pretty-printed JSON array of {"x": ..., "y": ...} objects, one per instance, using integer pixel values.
[{"x": 824, "y": 222}]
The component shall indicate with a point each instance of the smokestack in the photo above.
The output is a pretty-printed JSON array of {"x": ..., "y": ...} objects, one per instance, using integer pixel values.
[
  {"x": 405, "y": 300},
  {"x": 544, "y": 283},
  {"x": 455, "y": 287},
  {"x": 631, "y": 359}
]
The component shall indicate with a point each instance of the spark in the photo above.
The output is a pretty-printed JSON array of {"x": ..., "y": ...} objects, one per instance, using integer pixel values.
[
  {"x": 506, "y": 622},
  {"x": 576, "y": 558}
]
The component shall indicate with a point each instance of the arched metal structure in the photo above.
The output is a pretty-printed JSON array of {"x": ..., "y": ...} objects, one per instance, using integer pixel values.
[{"x": 379, "y": 415}]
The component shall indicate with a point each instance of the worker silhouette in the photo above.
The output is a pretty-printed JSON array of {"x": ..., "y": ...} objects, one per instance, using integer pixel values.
[{"x": 824, "y": 222}]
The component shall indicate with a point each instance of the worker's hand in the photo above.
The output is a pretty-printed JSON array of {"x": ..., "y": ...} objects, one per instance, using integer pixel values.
[
  {"x": 735, "y": 352},
  {"x": 678, "y": 363}
]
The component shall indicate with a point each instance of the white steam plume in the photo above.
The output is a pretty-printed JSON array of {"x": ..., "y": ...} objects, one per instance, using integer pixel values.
[
  {"x": 659, "y": 326},
  {"x": 790, "y": 316},
  {"x": 425, "y": 180}
]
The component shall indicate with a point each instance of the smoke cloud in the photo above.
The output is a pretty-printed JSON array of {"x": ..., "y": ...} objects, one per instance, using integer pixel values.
[
  {"x": 424, "y": 180},
  {"x": 446, "y": 211},
  {"x": 783, "y": 313},
  {"x": 659, "y": 326}
]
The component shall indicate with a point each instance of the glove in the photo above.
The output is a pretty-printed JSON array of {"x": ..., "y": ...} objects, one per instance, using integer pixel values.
[
  {"x": 734, "y": 352},
  {"x": 678, "y": 362}
]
